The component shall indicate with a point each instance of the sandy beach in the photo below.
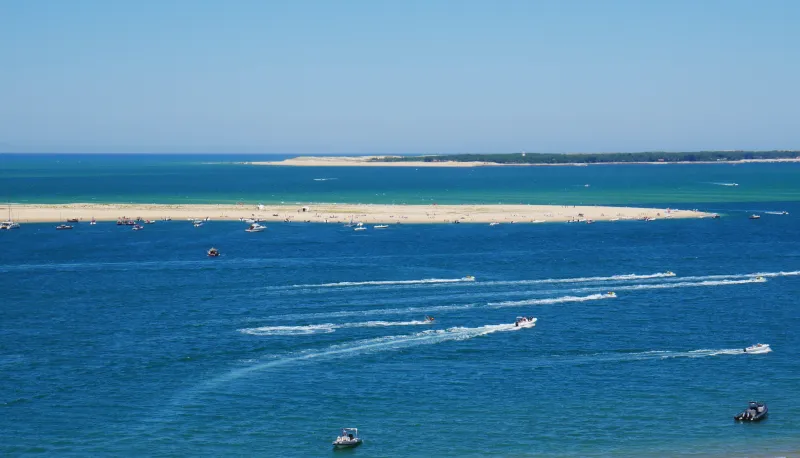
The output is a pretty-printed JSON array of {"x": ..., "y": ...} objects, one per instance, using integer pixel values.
[
  {"x": 340, "y": 213},
  {"x": 366, "y": 161}
]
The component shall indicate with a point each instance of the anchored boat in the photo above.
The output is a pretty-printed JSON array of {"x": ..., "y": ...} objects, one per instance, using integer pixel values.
[
  {"x": 755, "y": 411},
  {"x": 348, "y": 439}
]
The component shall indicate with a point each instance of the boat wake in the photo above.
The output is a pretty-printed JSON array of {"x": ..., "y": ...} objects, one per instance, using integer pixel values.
[
  {"x": 380, "y": 344},
  {"x": 686, "y": 284},
  {"x": 325, "y": 179},
  {"x": 554, "y": 300},
  {"x": 612, "y": 278},
  {"x": 434, "y": 308},
  {"x": 386, "y": 282},
  {"x": 617, "y": 357},
  {"x": 324, "y": 328}
]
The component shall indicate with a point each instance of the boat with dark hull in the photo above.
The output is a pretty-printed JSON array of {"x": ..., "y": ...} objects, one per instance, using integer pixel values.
[
  {"x": 755, "y": 411},
  {"x": 348, "y": 439}
]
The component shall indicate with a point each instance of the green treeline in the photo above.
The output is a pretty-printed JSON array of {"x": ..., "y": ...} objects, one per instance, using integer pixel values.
[{"x": 599, "y": 158}]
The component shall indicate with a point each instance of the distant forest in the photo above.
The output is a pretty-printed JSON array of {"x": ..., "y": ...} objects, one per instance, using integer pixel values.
[{"x": 600, "y": 158}]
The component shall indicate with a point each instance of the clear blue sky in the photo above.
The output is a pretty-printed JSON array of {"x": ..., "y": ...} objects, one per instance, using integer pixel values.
[{"x": 380, "y": 76}]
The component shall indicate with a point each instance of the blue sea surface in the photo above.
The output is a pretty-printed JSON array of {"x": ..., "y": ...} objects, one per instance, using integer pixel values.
[{"x": 134, "y": 343}]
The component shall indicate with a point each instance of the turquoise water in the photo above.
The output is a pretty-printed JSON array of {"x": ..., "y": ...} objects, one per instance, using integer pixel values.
[
  {"x": 206, "y": 179},
  {"x": 123, "y": 343}
]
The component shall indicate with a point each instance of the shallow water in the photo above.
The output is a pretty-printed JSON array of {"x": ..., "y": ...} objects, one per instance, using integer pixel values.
[
  {"x": 115, "y": 342},
  {"x": 98, "y": 178}
]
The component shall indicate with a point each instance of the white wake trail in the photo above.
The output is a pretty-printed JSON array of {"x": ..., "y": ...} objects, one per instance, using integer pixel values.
[
  {"x": 324, "y": 328},
  {"x": 642, "y": 356},
  {"x": 388, "y": 343}
]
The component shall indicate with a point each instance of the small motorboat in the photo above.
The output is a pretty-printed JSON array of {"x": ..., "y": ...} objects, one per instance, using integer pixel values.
[
  {"x": 380, "y": 226},
  {"x": 255, "y": 227},
  {"x": 754, "y": 216},
  {"x": 494, "y": 224},
  {"x": 429, "y": 319},
  {"x": 137, "y": 227},
  {"x": 715, "y": 216},
  {"x": 149, "y": 221},
  {"x": 755, "y": 411},
  {"x": 197, "y": 224},
  {"x": 468, "y": 278},
  {"x": 669, "y": 273},
  {"x": 63, "y": 227},
  {"x": 758, "y": 349},
  {"x": 213, "y": 252},
  {"x": 760, "y": 279},
  {"x": 359, "y": 228},
  {"x": 72, "y": 220},
  {"x": 610, "y": 294},
  {"x": 348, "y": 439},
  {"x": 525, "y": 322}
]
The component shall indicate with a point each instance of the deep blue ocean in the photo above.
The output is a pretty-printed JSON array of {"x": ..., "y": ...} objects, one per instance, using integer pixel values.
[{"x": 123, "y": 343}]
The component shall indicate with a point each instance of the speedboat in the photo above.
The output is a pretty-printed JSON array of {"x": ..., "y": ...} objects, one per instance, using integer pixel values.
[
  {"x": 525, "y": 322},
  {"x": 348, "y": 439},
  {"x": 754, "y": 216},
  {"x": 255, "y": 227},
  {"x": 149, "y": 221},
  {"x": 755, "y": 411},
  {"x": 429, "y": 319},
  {"x": 380, "y": 226},
  {"x": 669, "y": 273},
  {"x": 360, "y": 228},
  {"x": 610, "y": 294},
  {"x": 494, "y": 224},
  {"x": 468, "y": 278},
  {"x": 760, "y": 279},
  {"x": 72, "y": 220},
  {"x": 137, "y": 227},
  {"x": 758, "y": 349},
  {"x": 198, "y": 223},
  {"x": 715, "y": 216},
  {"x": 63, "y": 227},
  {"x": 213, "y": 252}
]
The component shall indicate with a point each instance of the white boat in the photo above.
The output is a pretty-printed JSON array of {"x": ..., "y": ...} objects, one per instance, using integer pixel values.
[
  {"x": 494, "y": 224},
  {"x": 348, "y": 439},
  {"x": 758, "y": 349},
  {"x": 137, "y": 227},
  {"x": 380, "y": 226},
  {"x": 10, "y": 224},
  {"x": 754, "y": 216},
  {"x": 360, "y": 228},
  {"x": 525, "y": 322},
  {"x": 468, "y": 278},
  {"x": 255, "y": 227},
  {"x": 610, "y": 294}
]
